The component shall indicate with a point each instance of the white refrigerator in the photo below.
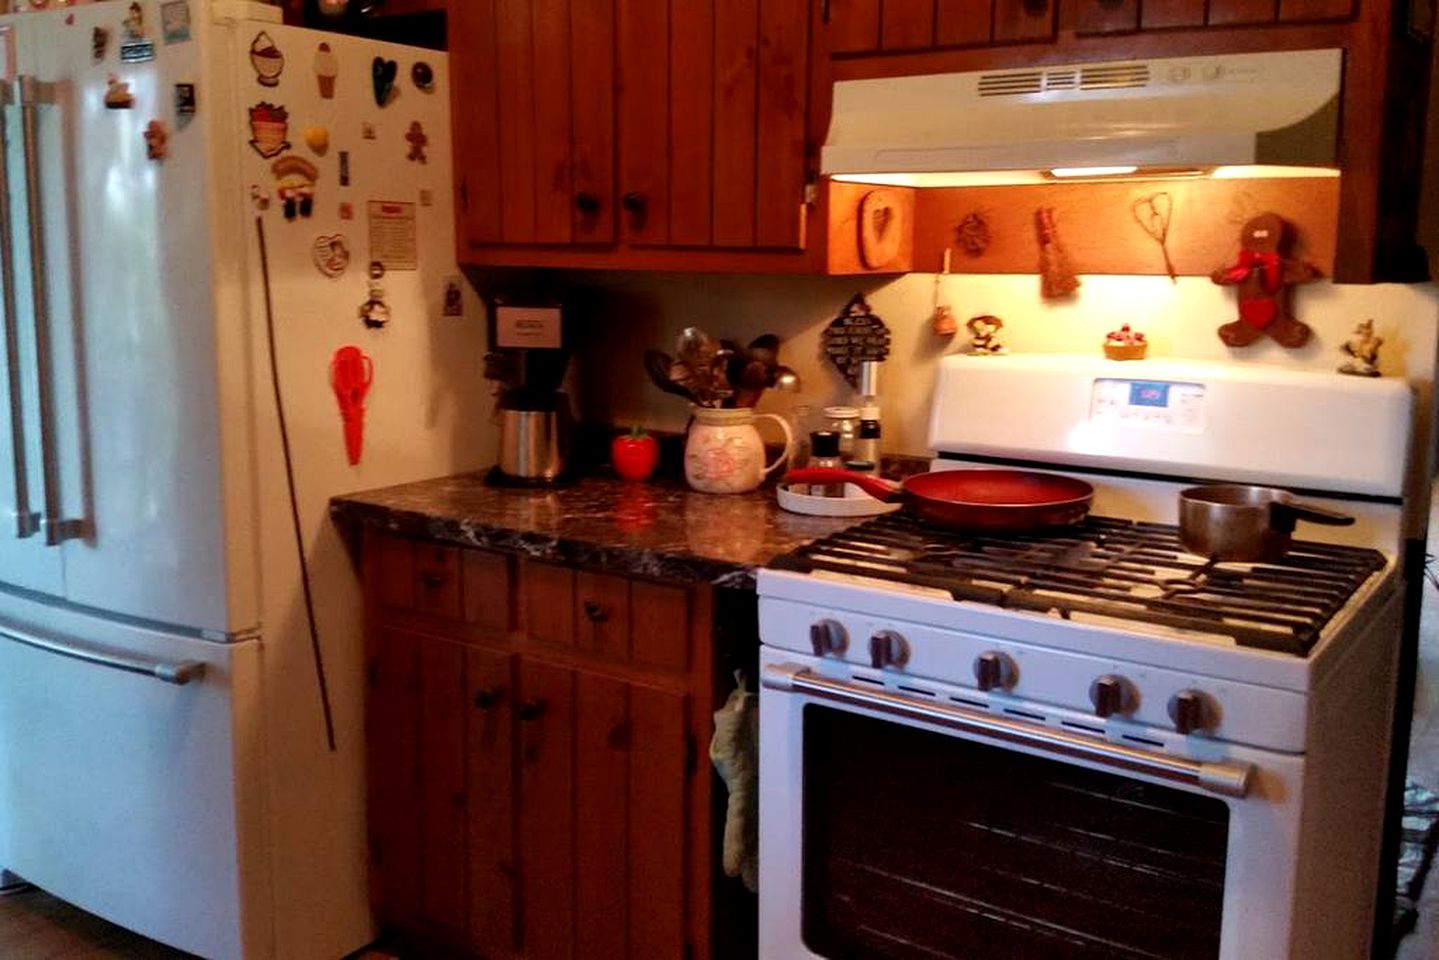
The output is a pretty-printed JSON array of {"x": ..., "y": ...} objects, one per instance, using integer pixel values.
[{"x": 145, "y": 511}]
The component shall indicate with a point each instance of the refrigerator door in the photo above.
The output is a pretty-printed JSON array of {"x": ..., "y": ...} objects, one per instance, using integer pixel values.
[
  {"x": 133, "y": 371},
  {"x": 127, "y": 775},
  {"x": 25, "y": 559}
]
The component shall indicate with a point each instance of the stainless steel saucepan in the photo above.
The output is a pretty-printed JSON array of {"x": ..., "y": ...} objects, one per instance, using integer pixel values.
[{"x": 1243, "y": 523}]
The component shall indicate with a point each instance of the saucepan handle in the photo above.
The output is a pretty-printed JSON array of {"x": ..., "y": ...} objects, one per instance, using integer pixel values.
[
  {"x": 1297, "y": 510},
  {"x": 883, "y": 490}
]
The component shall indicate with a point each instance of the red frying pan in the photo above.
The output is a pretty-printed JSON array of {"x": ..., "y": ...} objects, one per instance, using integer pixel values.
[{"x": 991, "y": 500}]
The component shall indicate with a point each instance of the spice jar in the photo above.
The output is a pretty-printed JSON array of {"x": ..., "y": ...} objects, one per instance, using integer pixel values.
[{"x": 843, "y": 421}]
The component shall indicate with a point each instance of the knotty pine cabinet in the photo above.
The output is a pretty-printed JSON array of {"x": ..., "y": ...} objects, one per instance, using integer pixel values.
[
  {"x": 537, "y": 746},
  {"x": 632, "y": 133}
]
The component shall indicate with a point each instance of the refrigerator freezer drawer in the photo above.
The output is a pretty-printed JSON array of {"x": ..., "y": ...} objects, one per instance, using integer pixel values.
[{"x": 122, "y": 786}]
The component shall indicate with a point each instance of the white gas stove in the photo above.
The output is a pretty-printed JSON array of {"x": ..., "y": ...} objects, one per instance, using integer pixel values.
[{"x": 1210, "y": 740}]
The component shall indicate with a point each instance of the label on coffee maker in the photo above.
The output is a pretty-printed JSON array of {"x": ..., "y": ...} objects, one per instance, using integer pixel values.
[{"x": 532, "y": 327}]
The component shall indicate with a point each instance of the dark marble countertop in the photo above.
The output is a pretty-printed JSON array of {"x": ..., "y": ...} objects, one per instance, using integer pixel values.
[{"x": 657, "y": 529}]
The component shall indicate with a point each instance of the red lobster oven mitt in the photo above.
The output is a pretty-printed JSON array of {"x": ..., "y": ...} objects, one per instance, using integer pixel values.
[{"x": 1264, "y": 275}]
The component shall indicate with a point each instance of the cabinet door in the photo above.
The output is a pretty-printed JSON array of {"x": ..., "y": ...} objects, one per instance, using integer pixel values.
[
  {"x": 489, "y": 786},
  {"x": 393, "y": 745},
  {"x": 712, "y": 122},
  {"x": 547, "y": 812},
  {"x": 853, "y": 25},
  {"x": 1016, "y": 21},
  {"x": 1106, "y": 16},
  {"x": 533, "y": 96}
]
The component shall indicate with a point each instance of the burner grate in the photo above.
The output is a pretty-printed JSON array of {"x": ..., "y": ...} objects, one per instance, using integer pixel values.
[{"x": 1106, "y": 567}]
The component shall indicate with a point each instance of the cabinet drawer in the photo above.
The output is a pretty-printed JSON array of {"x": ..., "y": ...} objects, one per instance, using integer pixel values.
[{"x": 450, "y": 588}]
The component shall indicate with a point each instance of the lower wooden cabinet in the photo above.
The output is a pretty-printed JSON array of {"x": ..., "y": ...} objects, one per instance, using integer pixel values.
[{"x": 538, "y": 795}]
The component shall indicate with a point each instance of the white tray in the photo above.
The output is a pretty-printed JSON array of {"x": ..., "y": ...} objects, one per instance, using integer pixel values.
[{"x": 851, "y": 506}]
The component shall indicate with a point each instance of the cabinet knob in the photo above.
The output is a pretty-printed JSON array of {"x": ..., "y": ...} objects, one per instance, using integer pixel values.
[
  {"x": 1036, "y": 8},
  {"x": 432, "y": 579},
  {"x": 596, "y": 611},
  {"x": 531, "y": 710},
  {"x": 587, "y": 203},
  {"x": 487, "y": 697},
  {"x": 634, "y": 202}
]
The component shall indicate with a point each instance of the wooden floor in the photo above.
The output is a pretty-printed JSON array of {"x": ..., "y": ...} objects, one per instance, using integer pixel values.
[{"x": 36, "y": 926}]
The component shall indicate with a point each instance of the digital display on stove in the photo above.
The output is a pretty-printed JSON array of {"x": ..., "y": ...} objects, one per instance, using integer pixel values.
[
  {"x": 1143, "y": 393},
  {"x": 1156, "y": 404}
]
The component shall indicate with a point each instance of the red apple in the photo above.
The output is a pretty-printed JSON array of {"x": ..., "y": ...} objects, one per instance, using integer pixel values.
[{"x": 635, "y": 455}]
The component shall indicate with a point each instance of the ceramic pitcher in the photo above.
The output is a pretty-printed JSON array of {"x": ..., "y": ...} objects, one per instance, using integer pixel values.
[{"x": 724, "y": 453}]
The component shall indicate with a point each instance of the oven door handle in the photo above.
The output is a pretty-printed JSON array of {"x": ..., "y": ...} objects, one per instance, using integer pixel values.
[{"x": 1227, "y": 779}]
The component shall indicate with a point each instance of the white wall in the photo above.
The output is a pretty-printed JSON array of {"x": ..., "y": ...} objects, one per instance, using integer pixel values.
[{"x": 625, "y": 313}]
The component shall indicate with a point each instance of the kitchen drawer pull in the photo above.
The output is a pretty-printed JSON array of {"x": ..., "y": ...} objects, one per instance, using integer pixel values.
[
  {"x": 27, "y": 523},
  {"x": 596, "y": 611},
  {"x": 178, "y": 672},
  {"x": 587, "y": 203},
  {"x": 634, "y": 202},
  {"x": 531, "y": 710},
  {"x": 487, "y": 697},
  {"x": 432, "y": 580},
  {"x": 1227, "y": 779}
]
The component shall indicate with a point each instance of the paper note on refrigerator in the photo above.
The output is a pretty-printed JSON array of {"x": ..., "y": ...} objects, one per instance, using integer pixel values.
[{"x": 392, "y": 235}]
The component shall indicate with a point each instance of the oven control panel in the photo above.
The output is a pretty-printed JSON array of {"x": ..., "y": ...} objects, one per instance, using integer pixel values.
[{"x": 1164, "y": 404}]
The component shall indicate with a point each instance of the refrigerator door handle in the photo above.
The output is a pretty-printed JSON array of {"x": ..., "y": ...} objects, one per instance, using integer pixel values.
[
  {"x": 56, "y": 528},
  {"x": 27, "y": 523},
  {"x": 178, "y": 672}
]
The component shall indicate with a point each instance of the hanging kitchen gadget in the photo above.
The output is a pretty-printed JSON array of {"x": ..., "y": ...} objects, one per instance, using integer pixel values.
[
  {"x": 853, "y": 337},
  {"x": 1056, "y": 274},
  {"x": 1153, "y": 214},
  {"x": 1264, "y": 272},
  {"x": 942, "y": 320},
  {"x": 351, "y": 373}
]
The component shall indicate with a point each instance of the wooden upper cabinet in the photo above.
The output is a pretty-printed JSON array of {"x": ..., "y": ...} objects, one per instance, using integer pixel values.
[
  {"x": 712, "y": 122},
  {"x": 533, "y": 104},
  {"x": 630, "y": 125}
]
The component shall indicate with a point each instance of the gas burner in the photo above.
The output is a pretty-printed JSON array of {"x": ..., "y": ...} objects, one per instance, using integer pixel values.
[{"x": 1106, "y": 567}]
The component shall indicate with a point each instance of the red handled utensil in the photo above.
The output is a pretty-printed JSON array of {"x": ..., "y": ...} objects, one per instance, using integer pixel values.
[
  {"x": 993, "y": 500},
  {"x": 351, "y": 373}
]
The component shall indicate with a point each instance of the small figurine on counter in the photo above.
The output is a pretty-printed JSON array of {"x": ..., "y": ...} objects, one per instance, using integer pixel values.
[
  {"x": 1362, "y": 348},
  {"x": 984, "y": 335},
  {"x": 1264, "y": 273},
  {"x": 1125, "y": 344}
]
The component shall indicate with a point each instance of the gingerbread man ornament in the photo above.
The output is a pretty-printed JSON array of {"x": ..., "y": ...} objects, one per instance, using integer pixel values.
[{"x": 1264, "y": 275}]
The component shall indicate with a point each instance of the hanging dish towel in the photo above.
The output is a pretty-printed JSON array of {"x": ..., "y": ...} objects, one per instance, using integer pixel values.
[{"x": 734, "y": 750}]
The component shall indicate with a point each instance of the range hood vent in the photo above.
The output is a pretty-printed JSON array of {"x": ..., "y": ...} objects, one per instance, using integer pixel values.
[
  {"x": 1190, "y": 112},
  {"x": 1103, "y": 77}
]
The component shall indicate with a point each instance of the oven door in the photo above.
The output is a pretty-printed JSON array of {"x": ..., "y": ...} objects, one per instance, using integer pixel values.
[{"x": 927, "y": 822}]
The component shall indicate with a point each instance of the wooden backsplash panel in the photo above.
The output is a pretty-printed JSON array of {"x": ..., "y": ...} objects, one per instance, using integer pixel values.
[{"x": 1097, "y": 225}]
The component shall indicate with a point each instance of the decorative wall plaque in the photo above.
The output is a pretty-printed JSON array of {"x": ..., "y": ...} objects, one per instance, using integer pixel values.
[{"x": 853, "y": 337}]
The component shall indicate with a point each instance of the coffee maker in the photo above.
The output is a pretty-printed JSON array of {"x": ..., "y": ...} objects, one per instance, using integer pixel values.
[{"x": 527, "y": 360}]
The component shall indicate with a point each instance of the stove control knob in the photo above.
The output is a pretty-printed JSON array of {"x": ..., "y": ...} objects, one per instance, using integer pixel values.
[
  {"x": 828, "y": 637},
  {"x": 888, "y": 649},
  {"x": 995, "y": 670},
  {"x": 1112, "y": 694},
  {"x": 1192, "y": 711}
]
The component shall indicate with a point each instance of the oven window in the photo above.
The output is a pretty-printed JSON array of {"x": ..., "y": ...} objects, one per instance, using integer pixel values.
[{"x": 921, "y": 845}]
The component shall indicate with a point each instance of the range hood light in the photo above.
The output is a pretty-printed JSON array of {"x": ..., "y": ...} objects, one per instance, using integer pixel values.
[{"x": 1067, "y": 173}]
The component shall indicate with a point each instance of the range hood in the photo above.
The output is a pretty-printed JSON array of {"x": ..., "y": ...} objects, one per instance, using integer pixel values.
[{"x": 1176, "y": 115}]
